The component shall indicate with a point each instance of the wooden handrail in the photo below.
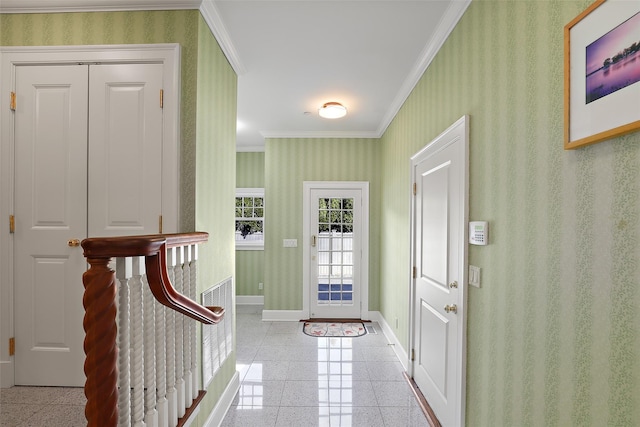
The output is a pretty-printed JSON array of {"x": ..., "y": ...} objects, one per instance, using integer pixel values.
[
  {"x": 99, "y": 323},
  {"x": 154, "y": 248}
]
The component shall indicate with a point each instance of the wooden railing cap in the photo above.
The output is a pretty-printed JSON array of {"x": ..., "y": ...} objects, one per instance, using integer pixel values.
[{"x": 143, "y": 245}]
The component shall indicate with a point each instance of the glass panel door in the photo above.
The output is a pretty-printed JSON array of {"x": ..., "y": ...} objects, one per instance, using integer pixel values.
[{"x": 335, "y": 290}]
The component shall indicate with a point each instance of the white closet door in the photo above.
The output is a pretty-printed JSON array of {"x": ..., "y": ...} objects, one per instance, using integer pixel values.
[
  {"x": 125, "y": 149},
  {"x": 50, "y": 210}
]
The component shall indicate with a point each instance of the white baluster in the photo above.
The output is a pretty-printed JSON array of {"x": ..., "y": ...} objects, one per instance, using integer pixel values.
[
  {"x": 178, "y": 285},
  {"x": 170, "y": 320},
  {"x": 123, "y": 273},
  {"x": 186, "y": 330},
  {"x": 151, "y": 415},
  {"x": 193, "y": 271},
  {"x": 161, "y": 367},
  {"x": 137, "y": 373}
]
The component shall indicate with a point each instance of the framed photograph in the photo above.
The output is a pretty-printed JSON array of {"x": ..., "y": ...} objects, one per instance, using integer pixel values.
[{"x": 602, "y": 73}]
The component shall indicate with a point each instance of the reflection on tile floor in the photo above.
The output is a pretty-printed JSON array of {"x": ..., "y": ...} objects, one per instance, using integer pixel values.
[
  {"x": 287, "y": 379},
  {"x": 291, "y": 379}
]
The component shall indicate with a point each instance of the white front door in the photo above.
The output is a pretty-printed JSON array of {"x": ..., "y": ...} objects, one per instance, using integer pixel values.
[
  {"x": 50, "y": 211},
  {"x": 88, "y": 162},
  {"x": 335, "y": 245},
  {"x": 439, "y": 256}
]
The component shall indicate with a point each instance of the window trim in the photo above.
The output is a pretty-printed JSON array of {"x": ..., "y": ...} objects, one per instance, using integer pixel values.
[{"x": 251, "y": 245}]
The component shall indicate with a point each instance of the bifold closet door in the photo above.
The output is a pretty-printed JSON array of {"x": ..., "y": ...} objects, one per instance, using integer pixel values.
[
  {"x": 88, "y": 163},
  {"x": 125, "y": 149},
  {"x": 50, "y": 195}
]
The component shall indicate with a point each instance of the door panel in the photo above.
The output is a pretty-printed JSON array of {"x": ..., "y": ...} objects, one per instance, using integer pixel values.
[
  {"x": 50, "y": 209},
  {"x": 125, "y": 153},
  {"x": 434, "y": 226}
]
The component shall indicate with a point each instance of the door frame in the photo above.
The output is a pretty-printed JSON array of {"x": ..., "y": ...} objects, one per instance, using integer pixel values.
[
  {"x": 167, "y": 54},
  {"x": 363, "y": 186},
  {"x": 437, "y": 144}
]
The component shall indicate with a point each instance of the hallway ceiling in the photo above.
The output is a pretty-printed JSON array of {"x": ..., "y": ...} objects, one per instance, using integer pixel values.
[{"x": 292, "y": 56}]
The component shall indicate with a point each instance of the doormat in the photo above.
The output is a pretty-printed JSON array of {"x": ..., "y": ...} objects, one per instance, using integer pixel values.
[{"x": 334, "y": 329}]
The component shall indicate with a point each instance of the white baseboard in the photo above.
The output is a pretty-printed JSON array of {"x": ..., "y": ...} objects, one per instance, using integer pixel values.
[
  {"x": 223, "y": 405},
  {"x": 6, "y": 374},
  {"x": 376, "y": 316},
  {"x": 249, "y": 299},
  {"x": 283, "y": 315}
]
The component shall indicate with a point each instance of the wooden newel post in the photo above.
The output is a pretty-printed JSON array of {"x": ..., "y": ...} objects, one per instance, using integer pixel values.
[{"x": 101, "y": 363}]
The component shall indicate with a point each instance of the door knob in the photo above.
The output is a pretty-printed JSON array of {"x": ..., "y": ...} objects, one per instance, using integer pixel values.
[
  {"x": 73, "y": 242},
  {"x": 453, "y": 284},
  {"x": 451, "y": 308}
]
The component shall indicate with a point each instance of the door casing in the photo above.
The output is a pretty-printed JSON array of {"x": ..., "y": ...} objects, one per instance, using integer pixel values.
[
  {"x": 363, "y": 186},
  {"x": 434, "y": 146},
  {"x": 10, "y": 58}
]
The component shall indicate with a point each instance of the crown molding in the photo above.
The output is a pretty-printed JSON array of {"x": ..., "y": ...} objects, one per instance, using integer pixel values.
[
  {"x": 448, "y": 22},
  {"x": 249, "y": 148},
  {"x": 214, "y": 21},
  {"x": 44, "y": 6}
]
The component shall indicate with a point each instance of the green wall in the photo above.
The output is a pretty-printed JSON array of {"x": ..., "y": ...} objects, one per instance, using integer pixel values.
[
  {"x": 215, "y": 185},
  {"x": 250, "y": 264},
  {"x": 289, "y": 162},
  {"x": 208, "y": 121},
  {"x": 553, "y": 333}
]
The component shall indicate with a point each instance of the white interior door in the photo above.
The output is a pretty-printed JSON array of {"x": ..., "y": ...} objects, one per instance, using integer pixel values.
[
  {"x": 439, "y": 253},
  {"x": 335, "y": 247},
  {"x": 50, "y": 211},
  {"x": 88, "y": 162}
]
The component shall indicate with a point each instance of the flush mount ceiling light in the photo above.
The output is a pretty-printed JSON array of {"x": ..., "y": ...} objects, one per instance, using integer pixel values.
[{"x": 332, "y": 110}]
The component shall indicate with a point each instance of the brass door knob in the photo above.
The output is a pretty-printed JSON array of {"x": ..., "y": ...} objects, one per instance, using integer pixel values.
[
  {"x": 451, "y": 308},
  {"x": 73, "y": 242}
]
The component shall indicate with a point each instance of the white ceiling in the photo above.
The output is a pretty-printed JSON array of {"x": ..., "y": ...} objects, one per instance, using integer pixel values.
[{"x": 291, "y": 56}]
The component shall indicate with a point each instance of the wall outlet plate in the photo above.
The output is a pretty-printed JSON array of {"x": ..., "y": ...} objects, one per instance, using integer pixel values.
[{"x": 290, "y": 243}]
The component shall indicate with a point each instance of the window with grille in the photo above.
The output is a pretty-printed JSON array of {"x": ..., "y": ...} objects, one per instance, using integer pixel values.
[{"x": 250, "y": 210}]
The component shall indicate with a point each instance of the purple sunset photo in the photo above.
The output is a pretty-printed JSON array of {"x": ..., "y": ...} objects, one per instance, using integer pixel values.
[{"x": 613, "y": 61}]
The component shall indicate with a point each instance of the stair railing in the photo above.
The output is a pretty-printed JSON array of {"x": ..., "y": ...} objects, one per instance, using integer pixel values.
[{"x": 140, "y": 344}]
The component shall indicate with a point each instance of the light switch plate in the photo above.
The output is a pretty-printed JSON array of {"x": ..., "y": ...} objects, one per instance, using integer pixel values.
[
  {"x": 474, "y": 276},
  {"x": 290, "y": 243}
]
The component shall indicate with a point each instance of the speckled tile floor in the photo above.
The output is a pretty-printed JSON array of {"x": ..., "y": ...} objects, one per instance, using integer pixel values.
[
  {"x": 42, "y": 407},
  {"x": 291, "y": 379},
  {"x": 288, "y": 379}
]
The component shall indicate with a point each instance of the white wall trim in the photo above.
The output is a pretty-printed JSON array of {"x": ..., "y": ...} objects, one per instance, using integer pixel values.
[
  {"x": 224, "y": 403},
  {"x": 216, "y": 25},
  {"x": 376, "y": 316},
  {"x": 249, "y": 299},
  {"x": 283, "y": 315},
  {"x": 45, "y": 6},
  {"x": 447, "y": 24}
]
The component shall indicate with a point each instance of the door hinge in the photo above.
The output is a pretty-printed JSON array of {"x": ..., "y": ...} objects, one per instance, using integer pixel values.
[
  {"x": 12, "y": 346},
  {"x": 12, "y": 102},
  {"x": 415, "y": 272},
  {"x": 415, "y": 188},
  {"x": 413, "y": 355},
  {"x": 160, "y": 224},
  {"x": 161, "y": 98},
  {"x": 12, "y": 224}
]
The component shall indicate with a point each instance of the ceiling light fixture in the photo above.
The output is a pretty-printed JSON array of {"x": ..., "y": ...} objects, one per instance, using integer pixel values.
[{"x": 332, "y": 110}]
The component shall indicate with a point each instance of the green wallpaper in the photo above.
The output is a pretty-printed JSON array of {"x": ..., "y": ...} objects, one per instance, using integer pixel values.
[
  {"x": 250, "y": 170},
  {"x": 553, "y": 336},
  {"x": 208, "y": 121},
  {"x": 289, "y": 162},
  {"x": 215, "y": 183},
  {"x": 58, "y": 29},
  {"x": 249, "y": 264}
]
